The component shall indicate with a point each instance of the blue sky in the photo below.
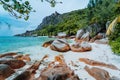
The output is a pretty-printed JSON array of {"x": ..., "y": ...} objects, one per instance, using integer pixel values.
[{"x": 42, "y": 9}]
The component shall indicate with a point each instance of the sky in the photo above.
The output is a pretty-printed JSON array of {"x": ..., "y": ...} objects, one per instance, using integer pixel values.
[{"x": 43, "y": 9}]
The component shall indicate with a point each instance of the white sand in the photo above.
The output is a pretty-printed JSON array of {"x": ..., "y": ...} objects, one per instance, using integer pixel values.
[{"x": 99, "y": 52}]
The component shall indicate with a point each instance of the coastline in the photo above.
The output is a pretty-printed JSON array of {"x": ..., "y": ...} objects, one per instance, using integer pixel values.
[
  {"x": 15, "y": 43},
  {"x": 100, "y": 52}
]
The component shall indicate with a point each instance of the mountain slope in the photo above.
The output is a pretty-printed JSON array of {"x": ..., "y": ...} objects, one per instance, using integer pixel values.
[{"x": 97, "y": 12}]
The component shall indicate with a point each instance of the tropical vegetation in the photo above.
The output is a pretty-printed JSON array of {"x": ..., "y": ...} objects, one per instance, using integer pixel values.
[{"x": 97, "y": 11}]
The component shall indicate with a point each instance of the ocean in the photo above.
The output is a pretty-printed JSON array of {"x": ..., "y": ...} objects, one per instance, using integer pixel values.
[{"x": 12, "y": 43}]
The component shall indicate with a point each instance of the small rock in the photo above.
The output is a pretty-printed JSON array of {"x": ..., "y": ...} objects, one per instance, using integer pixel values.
[{"x": 48, "y": 43}]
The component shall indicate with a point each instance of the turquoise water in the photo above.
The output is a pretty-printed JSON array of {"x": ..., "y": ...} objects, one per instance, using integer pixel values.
[{"x": 12, "y": 43}]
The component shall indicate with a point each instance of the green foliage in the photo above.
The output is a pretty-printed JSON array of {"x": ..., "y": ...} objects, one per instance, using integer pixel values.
[
  {"x": 115, "y": 39},
  {"x": 116, "y": 32},
  {"x": 21, "y": 8},
  {"x": 98, "y": 11}
]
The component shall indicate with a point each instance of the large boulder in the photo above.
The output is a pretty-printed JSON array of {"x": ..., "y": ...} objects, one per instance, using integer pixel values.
[
  {"x": 58, "y": 70},
  {"x": 81, "y": 47},
  {"x": 5, "y": 71},
  {"x": 85, "y": 37},
  {"x": 82, "y": 36},
  {"x": 60, "y": 45},
  {"x": 97, "y": 73},
  {"x": 47, "y": 43},
  {"x": 79, "y": 33},
  {"x": 14, "y": 64}
]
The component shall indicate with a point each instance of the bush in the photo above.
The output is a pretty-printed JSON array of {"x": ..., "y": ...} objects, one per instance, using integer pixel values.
[
  {"x": 115, "y": 39},
  {"x": 115, "y": 45},
  {"x": 116, "y": 32}
]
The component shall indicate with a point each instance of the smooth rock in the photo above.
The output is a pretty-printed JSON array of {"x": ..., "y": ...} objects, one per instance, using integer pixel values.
[
  {"x": 97, "y": 73},
  {"x": 60, "y": 45},
  {"x": 85, "y": 37},
  {"x": 97, "y": 63},
  {"x": 79, "y": 33}
]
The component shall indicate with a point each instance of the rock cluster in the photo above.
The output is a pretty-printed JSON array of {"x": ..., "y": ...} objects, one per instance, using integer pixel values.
[
  {"x": 90, "y": 34},
  {"x": 9, "y": 62},
  {"x": 61, "y": 45},
  {"x": 58, "y": 71}
]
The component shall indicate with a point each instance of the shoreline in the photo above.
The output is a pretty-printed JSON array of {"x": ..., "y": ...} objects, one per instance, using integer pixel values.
[{"x": 100, "y": 52}]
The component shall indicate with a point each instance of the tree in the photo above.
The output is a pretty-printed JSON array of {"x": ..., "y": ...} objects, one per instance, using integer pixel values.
[{"x": 21, "y": 8}]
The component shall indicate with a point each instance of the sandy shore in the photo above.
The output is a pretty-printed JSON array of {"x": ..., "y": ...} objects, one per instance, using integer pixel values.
[{"x": 100, "y": 52}]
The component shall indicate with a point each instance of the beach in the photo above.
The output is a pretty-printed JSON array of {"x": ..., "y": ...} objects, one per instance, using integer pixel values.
[{"x": 99, "y": 52}]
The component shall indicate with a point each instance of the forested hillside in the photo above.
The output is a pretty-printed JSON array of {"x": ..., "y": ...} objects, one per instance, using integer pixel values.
[{"x": 97, "y": 11}]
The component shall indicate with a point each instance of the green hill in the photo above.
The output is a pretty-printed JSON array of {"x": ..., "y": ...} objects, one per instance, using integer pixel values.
[{"x": 97, "y": 11}]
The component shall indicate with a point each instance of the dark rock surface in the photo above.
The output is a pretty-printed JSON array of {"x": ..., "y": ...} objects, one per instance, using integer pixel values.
[
  {"x": 5, "y": 71},
  {"x": 14, "y": 64}
]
